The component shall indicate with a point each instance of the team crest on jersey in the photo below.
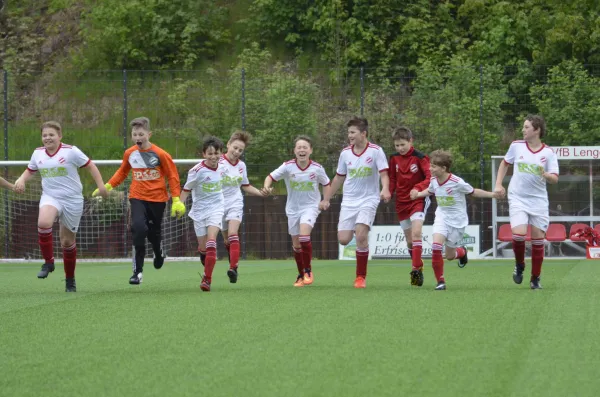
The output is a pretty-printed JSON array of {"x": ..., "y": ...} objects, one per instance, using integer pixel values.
[
  {"x": 414, "y": 168},
  {"x": 241, "y": 170},
  {"x": 543, "y": 159},
  {"x": 369, "y": 160},
  {"x": 62, "y": 160},
  {"x": 312, "y": 176},
  {"x": 396, "y": 167},
  {"x": 448, "y": 190},
  {"x": 153, "y": 161}
]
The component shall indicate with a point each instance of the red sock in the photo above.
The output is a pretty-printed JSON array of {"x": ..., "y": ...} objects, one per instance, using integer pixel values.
[
  {"x": 45, "y": 240},
  {"x": 416, "y": 252},
  {"x": 410, "y": 249},
  {"x": 460, "y": 252},
  {"x": 519, "y": 248},
  {"x": 211, "y": 259},
  {"x": 70, "y": 259},
  {"x": 362, "y": 259},
  {"x": 437, "y": 261},
  {"x": 537, "y": 257},
  {"x": 234, "y": 251},
  {"x": 299, "y": 260},
  {"x": 306, "y": 251}
]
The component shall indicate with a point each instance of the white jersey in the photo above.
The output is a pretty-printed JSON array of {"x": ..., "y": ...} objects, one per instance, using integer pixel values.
[
  {"x": 207, "y": 192},
  {"x": 527, "y": 187},
  {"x": 302, "y": 185},
  {"x": 234, "y": 177},
  {"x": 361, "y": 187},
  {"x": 451, "y": 200},
  {"x": 59, "y": 172}
]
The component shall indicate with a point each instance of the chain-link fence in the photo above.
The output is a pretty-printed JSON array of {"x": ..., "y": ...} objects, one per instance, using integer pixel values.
[{"x": 474, "y": 112}]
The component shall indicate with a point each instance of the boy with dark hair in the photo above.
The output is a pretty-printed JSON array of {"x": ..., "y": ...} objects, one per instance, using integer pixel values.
[
  {"x": 409, "y": 170},
  {"x": 205, "y": 182},
  {"x": 360, "y": 168}
]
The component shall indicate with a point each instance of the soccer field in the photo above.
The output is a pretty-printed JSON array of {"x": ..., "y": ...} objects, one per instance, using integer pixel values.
[{"x": 484, "y": 336}]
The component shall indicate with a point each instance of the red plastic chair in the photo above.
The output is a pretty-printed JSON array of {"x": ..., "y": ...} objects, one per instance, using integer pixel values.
[
  {"x": 505, "y": 233},
  {"x": 556, "y": 232},
  {"x": 574, "y": 229}
]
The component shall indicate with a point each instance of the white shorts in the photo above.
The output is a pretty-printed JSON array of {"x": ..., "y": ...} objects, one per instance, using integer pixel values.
[
  {"x": 520, "y": 216},
  {"x": 235, "y": 213},
  {"x": 454, "y": 235},
  {"x": 69, "y": 212},
  {"x": 201, "y": 225},
  {"x": 308, "y": 217},
  {"x": 350, "y": 217},
  {"x": 407, "y": 223}
]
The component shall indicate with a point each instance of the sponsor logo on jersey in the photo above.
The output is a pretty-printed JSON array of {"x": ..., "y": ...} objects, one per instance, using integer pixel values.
[
  {"x": 361, "y": 172},
  {"x": 414, "y": 168},
  {"x": 211, "y": 187},
  {"x": 445, "y": 201},
  {"x": 302, "y": 186},
  {"x": 53, "y": 172},
  {"x": 231, "y": 180},
  {"x": 146, "y": 175},
  {"x": 533, "y": 169}
]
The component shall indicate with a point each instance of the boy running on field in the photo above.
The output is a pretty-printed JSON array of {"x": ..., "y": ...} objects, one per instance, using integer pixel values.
[
  {"x": 451, "y": 216},
  {"x": 409, "y": 170},
  {"x": 148, "y": 194}
]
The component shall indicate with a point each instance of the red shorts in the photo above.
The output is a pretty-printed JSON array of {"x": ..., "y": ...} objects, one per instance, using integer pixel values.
[{"x": 405, "y": 210}]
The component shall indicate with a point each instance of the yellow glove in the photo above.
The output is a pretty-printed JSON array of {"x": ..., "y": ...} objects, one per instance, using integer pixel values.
[
  {"x": 108, "y": 187},
  {"x": 178, "y": 208}
]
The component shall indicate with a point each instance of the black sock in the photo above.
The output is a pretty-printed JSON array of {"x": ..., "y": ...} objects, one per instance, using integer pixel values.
[{"x": 139, "y": 254}]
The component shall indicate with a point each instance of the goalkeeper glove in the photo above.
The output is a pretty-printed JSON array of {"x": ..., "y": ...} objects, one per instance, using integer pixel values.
[
  {"x": 178, "y": 208},
  {"x": 108, "y": 187}
]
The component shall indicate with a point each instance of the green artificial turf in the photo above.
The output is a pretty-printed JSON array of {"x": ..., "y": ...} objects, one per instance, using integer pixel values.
[{"x": 484, "y": 336}]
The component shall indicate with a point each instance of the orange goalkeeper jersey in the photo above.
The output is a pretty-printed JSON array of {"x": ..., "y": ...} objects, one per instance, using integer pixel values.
[{"x": 149, "y": 169}]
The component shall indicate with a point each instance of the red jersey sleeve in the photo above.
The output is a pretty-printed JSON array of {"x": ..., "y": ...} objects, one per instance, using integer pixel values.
[
  {"x": 424, "y": 165},
  {"x": 392, "y": 174}
]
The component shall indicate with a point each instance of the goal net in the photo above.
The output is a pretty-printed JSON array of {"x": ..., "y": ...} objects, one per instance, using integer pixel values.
[{"x": 104, "y": 231}]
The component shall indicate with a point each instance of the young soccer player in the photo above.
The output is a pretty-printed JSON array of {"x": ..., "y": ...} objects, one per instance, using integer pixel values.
[
  {"x": 148, "y": 194},
  {"x": 535, "y": 165},
  {"x": 62, "y": 197},
  {"x": 234, "y": 176},
  {"x": 451, "y": 216},
  {"x": 208, "y": 207},
  {"x": 360, "y": 167},
  {"x": 409, "y": 170},
  {"x": 302, "y": 177}
]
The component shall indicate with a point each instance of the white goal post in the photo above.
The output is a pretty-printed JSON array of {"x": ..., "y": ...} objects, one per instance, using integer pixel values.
[{"x": 572, "y": 200}]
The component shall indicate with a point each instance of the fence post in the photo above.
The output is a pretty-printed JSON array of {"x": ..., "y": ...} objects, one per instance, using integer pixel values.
[
  {"x": 125, "y": 132},
  {"x": 481, "y": 158},
  {"x": 243, "y": 110},
  {"x": 6, "y": 196},
  {"x": 362, "y": 91}
]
